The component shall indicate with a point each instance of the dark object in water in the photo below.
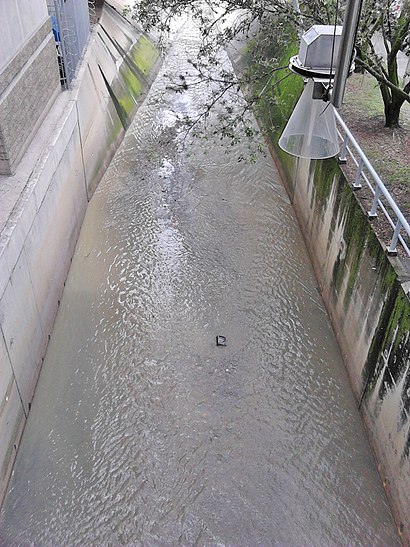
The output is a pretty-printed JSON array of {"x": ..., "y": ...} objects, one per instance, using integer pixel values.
[{"x": 220, "y": 340}]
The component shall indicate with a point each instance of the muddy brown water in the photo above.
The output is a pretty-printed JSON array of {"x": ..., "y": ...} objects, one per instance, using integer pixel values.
[{"x": 142, "y": 430}]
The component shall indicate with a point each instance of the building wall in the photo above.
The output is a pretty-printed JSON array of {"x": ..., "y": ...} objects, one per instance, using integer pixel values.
[
  {"x": 38, "y": 240},
  {"x": 29, "y": 76},
  {"x": 19, "y": 21}
]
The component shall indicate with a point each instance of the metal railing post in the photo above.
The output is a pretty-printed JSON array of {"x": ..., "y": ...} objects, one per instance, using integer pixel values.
[
  {"x": 343, "y": 150},
  {"x": 357, "y": 184},
  {"x": 392, "y": 248},
  {"x": 373, "y": 211}
]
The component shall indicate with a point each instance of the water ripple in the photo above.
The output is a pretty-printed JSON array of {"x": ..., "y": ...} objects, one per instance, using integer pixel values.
[{"x": 142, "y": 430}]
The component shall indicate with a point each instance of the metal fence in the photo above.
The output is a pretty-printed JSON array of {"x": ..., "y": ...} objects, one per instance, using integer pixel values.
[
  {"x": 382, "y": 201},
  {"x": 71, "y": 28},
  {"x": 92, "y": 11}
]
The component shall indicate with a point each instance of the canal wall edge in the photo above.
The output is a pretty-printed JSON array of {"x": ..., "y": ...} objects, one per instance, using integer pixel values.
[
  {"x": 366, "y": 293},
  {"x": 85, "y": 127}
]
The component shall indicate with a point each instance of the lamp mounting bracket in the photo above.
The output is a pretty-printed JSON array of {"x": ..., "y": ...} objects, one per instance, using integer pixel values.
[{"x": 296, "y": 66}]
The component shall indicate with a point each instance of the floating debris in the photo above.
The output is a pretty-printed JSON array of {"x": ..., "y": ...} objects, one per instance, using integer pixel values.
[{"x": 220, "y": 340}]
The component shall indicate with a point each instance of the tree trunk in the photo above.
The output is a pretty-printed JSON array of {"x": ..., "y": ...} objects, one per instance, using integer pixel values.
[
  {"x": 392, "y": 106},
  {"x": 392, "y": 113}
]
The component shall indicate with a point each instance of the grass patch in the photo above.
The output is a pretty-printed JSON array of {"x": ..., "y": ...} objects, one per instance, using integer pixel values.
[{"x": 386, "y": 148}]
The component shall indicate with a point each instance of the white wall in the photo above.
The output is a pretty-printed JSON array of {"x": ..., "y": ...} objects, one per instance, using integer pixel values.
[{"x": 19, "y": 20}]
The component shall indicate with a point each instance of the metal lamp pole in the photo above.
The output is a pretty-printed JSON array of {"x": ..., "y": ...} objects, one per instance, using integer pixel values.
[{"x": 350, "y": 24}]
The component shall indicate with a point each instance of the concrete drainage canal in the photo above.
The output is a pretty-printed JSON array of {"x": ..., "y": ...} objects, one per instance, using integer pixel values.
[{"x": 143, "y": 429}]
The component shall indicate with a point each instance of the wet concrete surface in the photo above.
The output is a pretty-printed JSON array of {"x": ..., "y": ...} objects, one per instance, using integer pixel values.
[{"x": 142, "y": 429}]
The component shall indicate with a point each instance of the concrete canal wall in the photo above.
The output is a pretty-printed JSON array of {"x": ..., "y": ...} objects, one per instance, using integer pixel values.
[
  {"x": 367, "y": 298},
  {"x": 366, "y": 293},
  {"x": 38, "y": 236}
]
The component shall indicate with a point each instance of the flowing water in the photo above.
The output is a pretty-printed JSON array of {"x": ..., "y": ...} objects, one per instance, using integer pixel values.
[{"x": 142, "y": 429}]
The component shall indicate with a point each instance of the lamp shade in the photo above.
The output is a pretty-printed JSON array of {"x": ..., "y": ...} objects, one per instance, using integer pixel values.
[{"x": 311, "y": 130}]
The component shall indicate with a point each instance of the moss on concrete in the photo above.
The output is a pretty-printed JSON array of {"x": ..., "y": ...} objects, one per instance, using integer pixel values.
[
  {"x": 144, "y": 54},
  {"x": 127, "y": 104},
  {"x": 285, "y": 89},
  {"x": 324, "y": 173},
  {"x": 126, "y": 90},
  {"x": 140, "y": 60},
  {"x": 355, "y": 232},
  {"x": 390, "y": 348},
  {"x": 131, "y": 81}
]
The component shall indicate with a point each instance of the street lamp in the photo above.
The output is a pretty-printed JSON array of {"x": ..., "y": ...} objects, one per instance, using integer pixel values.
[
  {"x": 311, "y": 129},
  {"x": 325, "y": 59}
]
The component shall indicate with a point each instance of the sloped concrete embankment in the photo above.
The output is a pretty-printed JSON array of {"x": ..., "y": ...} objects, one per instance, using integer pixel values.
[
  {"x": 367, "y": 296},
  {"x": 38, "y": 238}
]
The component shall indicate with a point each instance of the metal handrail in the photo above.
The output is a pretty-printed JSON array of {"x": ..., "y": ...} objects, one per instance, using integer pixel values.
[{"x": 401, "y": 224}]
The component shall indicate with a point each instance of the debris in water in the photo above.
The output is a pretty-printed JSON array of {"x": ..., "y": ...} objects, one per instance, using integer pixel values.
[{"x": 220, "y": 340}]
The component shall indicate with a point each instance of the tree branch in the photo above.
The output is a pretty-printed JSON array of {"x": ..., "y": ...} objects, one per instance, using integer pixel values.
[{"x": 405, "y": 95}]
